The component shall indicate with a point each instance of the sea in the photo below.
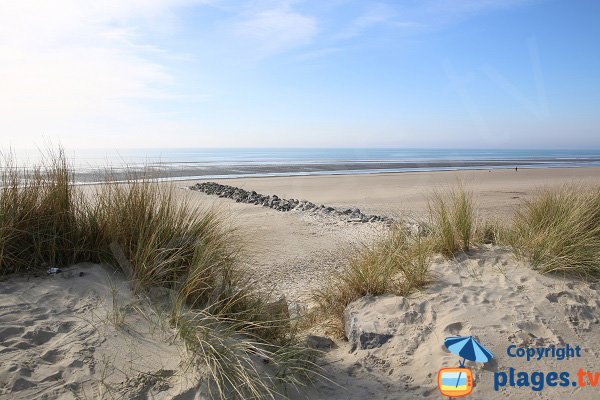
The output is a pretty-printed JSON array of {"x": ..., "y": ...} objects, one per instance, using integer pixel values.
[{"x": 90, "y": 165}]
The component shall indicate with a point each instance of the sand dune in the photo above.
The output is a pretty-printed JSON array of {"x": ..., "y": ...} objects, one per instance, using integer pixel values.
[
  {"x": 58, "y": 339},
  {"x": 487, "y": 294}
]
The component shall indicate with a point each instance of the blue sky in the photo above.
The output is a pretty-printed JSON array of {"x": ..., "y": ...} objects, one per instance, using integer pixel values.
[{"x": 340, "y": 73}]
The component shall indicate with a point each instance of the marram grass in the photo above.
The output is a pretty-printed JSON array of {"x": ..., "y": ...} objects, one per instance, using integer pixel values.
[
  {"x": 559, "y": 230},
  {"x": 398, "y": 264},
  {"x": 40, "y": 216},
  {"x": 452, "y": 220},
  {"x": 158, "y": 240}
]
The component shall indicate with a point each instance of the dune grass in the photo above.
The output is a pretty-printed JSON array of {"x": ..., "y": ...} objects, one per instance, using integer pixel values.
[
  {"x": 398, "y": 264},
  {"x": 168, "y": 242},
  {"x": 238, "y": 362},
  {"x": 452, "y": 220},
  {"x": 39, "y": 215},
  {"x": 157, "y": 240},
  {"x": 559, "y": 230},
  {"x": 491, "y": 231}
]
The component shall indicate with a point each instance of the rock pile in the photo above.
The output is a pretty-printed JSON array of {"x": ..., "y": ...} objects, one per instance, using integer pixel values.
[{"x": 279, "y": 204}]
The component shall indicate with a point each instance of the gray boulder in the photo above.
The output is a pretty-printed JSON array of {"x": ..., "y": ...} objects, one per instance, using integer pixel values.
[{"x": 278, "y": 309}]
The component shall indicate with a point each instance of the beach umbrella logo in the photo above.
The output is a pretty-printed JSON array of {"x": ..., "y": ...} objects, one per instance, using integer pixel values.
[{"x": 458, "y": 382}]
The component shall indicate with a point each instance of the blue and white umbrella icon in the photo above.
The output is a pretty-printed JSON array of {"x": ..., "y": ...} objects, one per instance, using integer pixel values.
[{"x": 468, "y": 348}]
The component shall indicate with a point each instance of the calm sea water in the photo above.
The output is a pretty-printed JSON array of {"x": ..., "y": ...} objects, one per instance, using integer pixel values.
[{"x": 223, "y": 163}]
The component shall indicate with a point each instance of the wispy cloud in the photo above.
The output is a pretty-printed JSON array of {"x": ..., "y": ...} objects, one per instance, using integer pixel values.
[
  {"x": 537, "y": 106},
  {"x": 275, "y": 29},
  {"x": 312, "y": 54},
  {"x": 72, "y": 64},
  {"x": 374, "y": 15},
  {"x": 465, "y": 8},
  {"x": 415, "y": 17},
  {"x": 409, "y": 18}
]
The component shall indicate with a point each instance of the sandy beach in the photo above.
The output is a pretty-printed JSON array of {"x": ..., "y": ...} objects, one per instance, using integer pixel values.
[
  {"x": 299, "y": 200},
  {"x": 291, "y": 250},
  {"x": 498, "y": 191},
  {"x": 487, "y": 293},
  {"x": 294, "y": 254}
]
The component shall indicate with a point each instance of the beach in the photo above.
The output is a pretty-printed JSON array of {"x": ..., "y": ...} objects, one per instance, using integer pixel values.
[
  {"x": 299, "y": 200},
  {"x": 294, "y": 253},
  {"x": 487, "y": 293},
  {"x": 290, "y": 249},
  {"x": 406, "y": 193}
]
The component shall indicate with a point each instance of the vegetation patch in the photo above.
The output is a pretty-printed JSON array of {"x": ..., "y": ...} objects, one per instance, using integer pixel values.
[
  {"x": 452, "y": 220},
  {"x": 249, "y": 349},
  {"x": 398, "y": 264},
  {"x": 559, "y": 230}
]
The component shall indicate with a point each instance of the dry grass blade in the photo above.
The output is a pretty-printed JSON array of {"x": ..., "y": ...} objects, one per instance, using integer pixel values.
[{"x": 238, "y": 363}]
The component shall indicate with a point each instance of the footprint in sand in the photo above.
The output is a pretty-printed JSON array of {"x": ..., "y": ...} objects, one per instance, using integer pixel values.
[
  {"x": 580, "y": 314},
  {"x": 453, "y": 329},
  {"x": 8, "y": 332},
  {"x": 39, "y": 336},
  {"x": 45, "y": 341},
  {"x": 566, "y": 298},
  {"x": 534, "y": 333}
]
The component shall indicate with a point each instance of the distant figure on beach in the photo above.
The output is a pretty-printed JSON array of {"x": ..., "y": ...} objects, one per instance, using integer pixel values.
[{"x": 516, "y": 169}]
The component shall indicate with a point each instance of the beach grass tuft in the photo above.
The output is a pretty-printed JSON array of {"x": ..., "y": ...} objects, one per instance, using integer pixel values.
[
  {"x": 398, "y": 264},
  {"x": 452, "y": 220},
  {"x": 559, "y": 230},
  {"x": 491, "y": 231},
  {"x": 239, "y": 364},
  {"x": 39, "y": 214}
]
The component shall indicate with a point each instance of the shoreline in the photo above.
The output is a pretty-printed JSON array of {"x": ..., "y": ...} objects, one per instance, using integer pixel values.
[{"x": 359, "y": 172}]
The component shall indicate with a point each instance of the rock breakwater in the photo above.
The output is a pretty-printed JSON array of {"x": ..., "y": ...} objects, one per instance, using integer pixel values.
[{"x": 281, "y": 204}]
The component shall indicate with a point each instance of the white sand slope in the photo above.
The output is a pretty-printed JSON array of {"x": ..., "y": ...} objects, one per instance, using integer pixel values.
[
  {"x": 488, "y": 295},
  {"x": 58, "y": 339}
]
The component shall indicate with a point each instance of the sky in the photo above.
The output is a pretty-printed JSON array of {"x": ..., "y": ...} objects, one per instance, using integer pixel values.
[{"x": 337, "y": 73}]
